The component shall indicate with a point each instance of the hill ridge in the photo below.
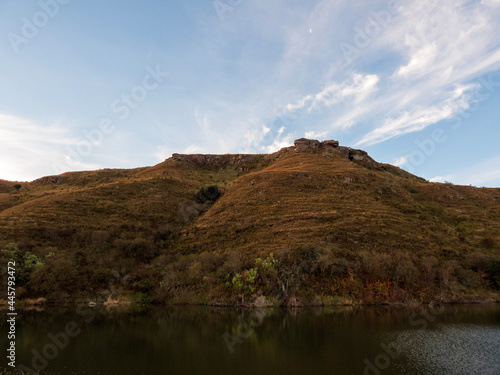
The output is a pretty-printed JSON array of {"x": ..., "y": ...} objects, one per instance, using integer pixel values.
[
  {"x": 312, "y": 223},
  {"x": 240, "y": 160}
]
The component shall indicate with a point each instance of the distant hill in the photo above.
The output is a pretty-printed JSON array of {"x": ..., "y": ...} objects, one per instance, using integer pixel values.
[{"x": 315, "y": 223}]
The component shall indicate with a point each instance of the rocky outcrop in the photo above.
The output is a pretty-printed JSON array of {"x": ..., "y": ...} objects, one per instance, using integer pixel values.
[
  {"x": 331, "y": 148},
  {"x": 304, "y": 144},
  {"x": 49, "y": 180},
  {"x": 360, "y": 155},
  {"x": 245, "y": 162},
  {"x": 330, "y": 143},
  {"x": 311, "y": 145},
  {"x": 218, "y": 161},
  {"x": 262, "y": 301}
]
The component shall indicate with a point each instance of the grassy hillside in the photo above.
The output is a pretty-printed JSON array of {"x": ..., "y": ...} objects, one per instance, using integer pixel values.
[{"x": 315, "y": 223}]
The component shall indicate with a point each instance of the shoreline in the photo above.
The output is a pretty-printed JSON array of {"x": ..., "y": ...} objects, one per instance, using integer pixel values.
[{"x": 41, "y": 303}]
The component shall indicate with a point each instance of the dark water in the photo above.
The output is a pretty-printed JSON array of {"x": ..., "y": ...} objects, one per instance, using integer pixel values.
[{"x": 193, "y": 340}]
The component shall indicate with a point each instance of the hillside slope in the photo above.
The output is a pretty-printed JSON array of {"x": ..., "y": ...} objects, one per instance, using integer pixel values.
[{"x": 312, "y": 223}]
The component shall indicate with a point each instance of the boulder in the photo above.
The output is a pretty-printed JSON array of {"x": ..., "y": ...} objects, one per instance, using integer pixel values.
[
  {"x": 294, "y": 302},
  {"x": 358, "y": 155},
  {"x": 304, "y": 144},
  {"x": 330, "y": 143},
  {"x": 262, "y": 301}
]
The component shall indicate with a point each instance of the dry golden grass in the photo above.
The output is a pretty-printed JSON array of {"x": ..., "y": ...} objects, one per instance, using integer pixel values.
[{"x": 377, "y": 232}]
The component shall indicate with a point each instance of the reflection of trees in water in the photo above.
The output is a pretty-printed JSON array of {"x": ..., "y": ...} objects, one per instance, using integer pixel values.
[{"x": 122, "y": 337}]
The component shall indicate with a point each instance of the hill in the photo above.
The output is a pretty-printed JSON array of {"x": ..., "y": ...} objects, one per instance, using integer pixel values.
[{"x": 315, "y": 223}]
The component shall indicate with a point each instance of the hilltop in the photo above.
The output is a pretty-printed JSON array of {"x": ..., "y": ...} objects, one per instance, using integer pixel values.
[{"x": 315, "y": 223}]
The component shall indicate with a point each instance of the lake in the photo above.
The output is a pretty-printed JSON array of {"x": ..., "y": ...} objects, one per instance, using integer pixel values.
[{"x": 202, "y": 340}]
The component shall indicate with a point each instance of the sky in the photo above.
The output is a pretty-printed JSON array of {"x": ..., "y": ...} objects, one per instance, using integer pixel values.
[{"x": 93, "y": 84}]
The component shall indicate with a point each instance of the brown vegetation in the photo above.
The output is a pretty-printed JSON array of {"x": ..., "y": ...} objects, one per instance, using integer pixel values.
[{"x": 322, "y": 224}]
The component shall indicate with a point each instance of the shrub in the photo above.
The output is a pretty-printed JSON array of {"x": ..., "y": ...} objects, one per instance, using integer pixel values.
[
  {"x": 57, "y": 275},
  {"x": 303, "y": 259},
  {"x": 493, "y": 271},
  {"x": 269, "y": 262},
  {"x": 210, "y": 262},
  {"x": 138, "y": 249},
  {"x": 42, "y": 281},
  {"x": 428, "y": 269},
  {"x": 406, "y": 272},
  {"x": 165, "y": 234},
  {"x": 245, "y": 281},
  {"x": 207, "y": 194},
  {"x": 10, "y": 252},
  {"x": 145, "y": 279},
  {"x": 141, "y": 298},
  {"x": 102, "y": 276},
  {"x": 232, "y": 264},
  {"x": 468, "y": 278},
  {"x": 27, "y": 265}
]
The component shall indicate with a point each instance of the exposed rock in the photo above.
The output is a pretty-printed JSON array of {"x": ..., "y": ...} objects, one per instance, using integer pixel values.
[
  {"x": 360, "y": 155},
  {"x": 329, "y": 148},
  {"x": 262, "y": 301},
  {"x": 304, "y": 144},
  {"x": 294, "y": 302},
  {"x": 49, "y": 180},
  {"x": 217, "y": 161},
  {"x": 330, "y": 143}
]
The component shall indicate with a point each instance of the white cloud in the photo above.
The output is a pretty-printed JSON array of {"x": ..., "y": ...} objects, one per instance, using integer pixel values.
[
  {"x": 356, "y": 89},
  {"x": 485, "y": 173},
  {"x": 202, "y": 121},
  {"x": 300, "y": 104},
  {"x": 420, "y": 61},
  {"x": 441, "y": 178},
  {"x": 492, "y": 3},
  {"x": 162, "y": 152},
  {"x": 193, "y": 149},
  {"x": 415, "y": 72},
  {"x": 21, "y": 133},
  {"x": 398, "y": 162},
  {"x": 421, "y": 117},
  {"x": 444, "y": 46},
  {"x": 315, "y": 135},
  {"x": 281, "y": 140},
  {"x": 348, "y": 124},
  {"x": 31, "y": 150}
]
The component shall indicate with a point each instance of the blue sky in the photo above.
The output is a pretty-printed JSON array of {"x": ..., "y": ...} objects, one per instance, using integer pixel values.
[{"x": 122, "y": 84}]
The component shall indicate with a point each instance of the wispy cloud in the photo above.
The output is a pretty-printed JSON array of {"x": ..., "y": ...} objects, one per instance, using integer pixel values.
[
  {"x": 355, "y": 89},
  {"x": 485, "y": 173},
  {"x": 444, "y": 45},
  {"x": 402, "y": 160},
  {"x": 442, "y": 48},
  {"x": 315, "y": 135},
  {"x": 420, "y": 62},
  {"x": 493, "y": 3},
  {"x": 421, "y": 117},
  {"x": 260, "y": 78},
  {"x": 281, "y": 140},
  {"x": 33, "y": 146}
]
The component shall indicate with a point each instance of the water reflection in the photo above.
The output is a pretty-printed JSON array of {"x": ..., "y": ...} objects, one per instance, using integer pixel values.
[{"x": 202, "y": 340}]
